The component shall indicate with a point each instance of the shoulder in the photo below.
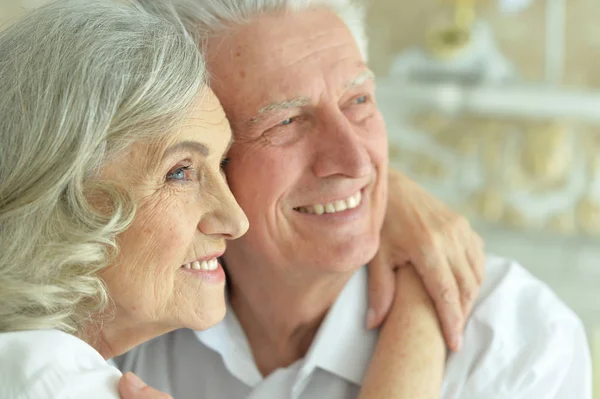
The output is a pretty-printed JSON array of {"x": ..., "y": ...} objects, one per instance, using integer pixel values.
[
  {"x": 521, "y": 340},
  {"x": 512, "y": 296},
  {"x": 51, "y": 363}
]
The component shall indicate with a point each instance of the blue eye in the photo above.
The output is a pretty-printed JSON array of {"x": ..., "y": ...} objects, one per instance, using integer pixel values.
[
  {"x": 287, "y": 121},
  {"x": 178, "y": 174},
  {"x": 360, "y": 100}
]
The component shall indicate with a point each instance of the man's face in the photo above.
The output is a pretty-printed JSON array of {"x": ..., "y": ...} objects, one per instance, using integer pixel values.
[{"x": 309, "y": 140}]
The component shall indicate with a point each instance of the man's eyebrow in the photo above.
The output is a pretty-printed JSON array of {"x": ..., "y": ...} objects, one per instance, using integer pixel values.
[
  {"x": 187, "y": 145},
  {"x": 279, "y": 106},
  {"x": 364, "y": 76}
]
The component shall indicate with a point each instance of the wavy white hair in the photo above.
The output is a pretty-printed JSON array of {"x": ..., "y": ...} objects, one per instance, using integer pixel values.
[
  {"x": 80, "y": 81},
  {"x": 207, "y": 17}
]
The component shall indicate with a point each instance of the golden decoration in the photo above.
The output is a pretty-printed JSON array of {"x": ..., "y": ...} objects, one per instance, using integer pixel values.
[
  {"x": 588, "y": 216},
  {"x": 449, "y": 41},
  {"x": 428, "y": 167},
  {"x": 431, "y": 122},
  {"x": 546, "y": 154},
  {"x": 489, "y": 204},
  {"x": 462, "y": 136},
  {"x": 513, "y": 217},
  {"x": 515, "y": 156},
  {"x": 492, "y": 153}
]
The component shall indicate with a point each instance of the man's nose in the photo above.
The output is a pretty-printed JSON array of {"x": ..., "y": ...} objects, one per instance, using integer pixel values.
[{"x": 340, "y": 150}]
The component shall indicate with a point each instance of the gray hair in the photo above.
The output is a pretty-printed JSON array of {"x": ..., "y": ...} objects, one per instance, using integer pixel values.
[
  {"x": 204, "y": 18},
  {"x": 80, "y": 82}
]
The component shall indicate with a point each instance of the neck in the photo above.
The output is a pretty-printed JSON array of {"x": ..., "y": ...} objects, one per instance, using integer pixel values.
[
  {"x": 280, "y": 311},
  {"x": 116, "y": 336}
]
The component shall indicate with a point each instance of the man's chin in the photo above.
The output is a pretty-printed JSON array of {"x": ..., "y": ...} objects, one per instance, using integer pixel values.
[{"x": 349, "y": 256}]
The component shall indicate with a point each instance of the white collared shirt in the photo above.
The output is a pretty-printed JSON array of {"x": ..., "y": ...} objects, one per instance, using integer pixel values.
[
  {"x": 521, "y": 342},
  {"x": 44, "y": 364}
]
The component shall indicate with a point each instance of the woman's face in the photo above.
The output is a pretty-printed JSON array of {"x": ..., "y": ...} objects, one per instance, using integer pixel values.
[{"x": 166, "y": 274}]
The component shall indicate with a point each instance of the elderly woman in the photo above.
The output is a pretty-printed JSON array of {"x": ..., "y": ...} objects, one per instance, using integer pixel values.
[{"x": 113, "y": 205}]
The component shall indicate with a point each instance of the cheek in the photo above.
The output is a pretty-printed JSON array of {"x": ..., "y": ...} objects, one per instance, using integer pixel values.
[
  {"x": 159, "y": 233},
  {"x": 375, "y": 139},
  {"x": 259, "y": 181},
  {"x": 150, "y": 253}
]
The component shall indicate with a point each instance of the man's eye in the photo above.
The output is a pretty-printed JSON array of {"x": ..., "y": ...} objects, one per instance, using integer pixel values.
[
  {"x": 225, "y": 162},
  {"x": 360, "y": 100},
  {"x": 179, "y": 173},
  {"x": 287, "y": 121}
]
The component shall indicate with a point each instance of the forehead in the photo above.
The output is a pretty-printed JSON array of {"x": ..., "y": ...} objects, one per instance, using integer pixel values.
[
  {"x": 282, "y": 56},
  {"x": 205, "y": 124},
  {"x": 207, "y": 114}
]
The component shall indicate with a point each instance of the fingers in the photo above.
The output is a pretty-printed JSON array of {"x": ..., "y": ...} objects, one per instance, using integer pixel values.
[
  {"x": 468, "y": 286},
  {"x": 476, "y": 259},
  {"x": 132, "y": 387},
  {"x": 382, "y": 284},
  {"x": 474, "y": 248},
  {"x": 441, "y": 285}
]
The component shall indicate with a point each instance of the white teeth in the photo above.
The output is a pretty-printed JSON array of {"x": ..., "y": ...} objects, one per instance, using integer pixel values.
[
  {"x": 351, "y": 202},
  {"x": 358, "y": 198},
  {"x": 336, "y": 206},
  {"x": 340, "y": 205},
  {"x": 206, "y": 265}
]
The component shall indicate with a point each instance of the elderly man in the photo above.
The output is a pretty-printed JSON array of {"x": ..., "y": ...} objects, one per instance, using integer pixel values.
[{"x": 309, "y": 168}]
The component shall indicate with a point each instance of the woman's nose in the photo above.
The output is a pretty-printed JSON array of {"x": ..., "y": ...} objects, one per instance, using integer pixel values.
[{"x": 226, "y": 219}]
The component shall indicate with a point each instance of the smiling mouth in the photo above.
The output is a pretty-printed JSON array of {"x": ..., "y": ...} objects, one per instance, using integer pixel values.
[
  {"x": 207, "y": 265},
  {"x": 333, "y": 207}
]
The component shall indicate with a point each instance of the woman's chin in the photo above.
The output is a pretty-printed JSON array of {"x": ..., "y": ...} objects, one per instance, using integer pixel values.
[{"x": 206, "y": 317}]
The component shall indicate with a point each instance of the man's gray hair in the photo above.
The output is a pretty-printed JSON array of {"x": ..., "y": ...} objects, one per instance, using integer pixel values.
[
  {"x": 80, "y": 82},
  {"x": 207, "y": 17}
]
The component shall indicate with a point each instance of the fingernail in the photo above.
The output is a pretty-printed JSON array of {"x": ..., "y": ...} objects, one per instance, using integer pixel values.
[
  {"x": 134, "y": 381},
  {"x": 370, "y": 318}
]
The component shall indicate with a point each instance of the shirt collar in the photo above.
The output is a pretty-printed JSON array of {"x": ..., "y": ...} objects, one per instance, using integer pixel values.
[
  {"x": 229, "y": 340},
  {"x": 343, "y": 346}
]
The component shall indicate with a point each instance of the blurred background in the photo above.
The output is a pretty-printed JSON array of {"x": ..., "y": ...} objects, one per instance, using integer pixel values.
[{"x": 494, "y": 106}]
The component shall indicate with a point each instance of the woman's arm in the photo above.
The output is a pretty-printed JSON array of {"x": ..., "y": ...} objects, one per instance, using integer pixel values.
[
  {"x": 441, "y": 245},
  {"x": 409, "y": 360}
]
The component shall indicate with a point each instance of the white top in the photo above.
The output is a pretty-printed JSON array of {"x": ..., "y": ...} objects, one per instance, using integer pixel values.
[
  {"x": 48, "y": 364},
  {"x": 521, "y": 342}
]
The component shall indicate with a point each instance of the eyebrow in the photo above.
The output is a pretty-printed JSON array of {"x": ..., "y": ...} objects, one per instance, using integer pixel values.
[
  {"x": 358, "y": 81},
  {"x": 194, "y": 146},
  {"x": 279, "y": 106},
  {"x": 365, "y": 75},
  {"x": 187, "y": 145}
]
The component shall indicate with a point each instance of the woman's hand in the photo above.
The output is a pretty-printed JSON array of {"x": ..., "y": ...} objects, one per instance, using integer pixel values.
[
  {"x": 445, "y": 251},
  {"x": 132, "y": 387}
]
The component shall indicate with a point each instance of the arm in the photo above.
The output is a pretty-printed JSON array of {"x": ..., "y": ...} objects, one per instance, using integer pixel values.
[
  {"x": 445, "y": 251},
  {"x": 410, "y": 354}
]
